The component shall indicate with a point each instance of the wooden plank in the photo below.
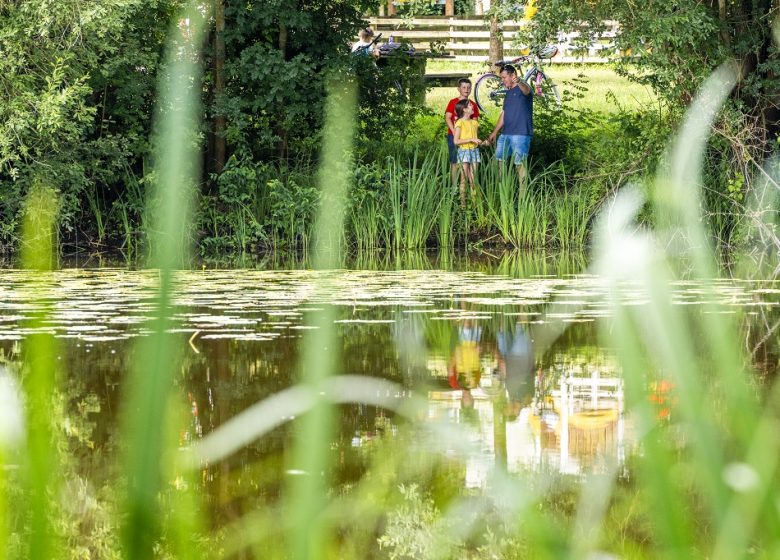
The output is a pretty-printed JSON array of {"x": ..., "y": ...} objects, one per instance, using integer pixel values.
[
  {"x": 458, "y": 22},
  {"x": 557, "y": 60},
  {"x": 439, "y": 22},
  {"x": 446, "y": 34},
  {"x": 446, "y": 79},
  {"x": 422, "y": 45},
  {"x": 477, "y": 47},
  {"x": 437, "y": 75}
]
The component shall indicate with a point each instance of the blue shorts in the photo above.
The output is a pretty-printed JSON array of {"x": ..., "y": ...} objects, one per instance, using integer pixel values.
[
  {"x": 509, "y": 144},
  {"x": 453, "y": 148},
  {"x": 470, "y": 155}
]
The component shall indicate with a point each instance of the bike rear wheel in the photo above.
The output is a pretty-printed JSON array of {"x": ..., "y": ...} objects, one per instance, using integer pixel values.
[{"x": 489, "y": 93}]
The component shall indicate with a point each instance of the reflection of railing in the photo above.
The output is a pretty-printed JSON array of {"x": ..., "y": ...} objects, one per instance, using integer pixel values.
[
  {"x": 578, "y": 428},
  {"x": 469, "y": 39},
  {"x": 591, "y": 417}
]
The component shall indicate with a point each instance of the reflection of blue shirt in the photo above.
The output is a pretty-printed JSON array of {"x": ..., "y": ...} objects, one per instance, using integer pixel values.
[
  {"x": 518, "y": 353},
  {"x": 470, "y": 334},
  {"x": 518, "y": 113}
]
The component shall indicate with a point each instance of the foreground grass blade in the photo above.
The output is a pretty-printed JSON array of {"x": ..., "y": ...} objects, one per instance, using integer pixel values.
[
  {"x": 148, "y": 388},
  {"x": 307, "y": 529},
  {"x": 40, "y": 380}
]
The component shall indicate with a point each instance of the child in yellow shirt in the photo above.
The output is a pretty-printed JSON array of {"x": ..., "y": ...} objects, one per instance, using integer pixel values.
[{"x": 465, "y": 138}]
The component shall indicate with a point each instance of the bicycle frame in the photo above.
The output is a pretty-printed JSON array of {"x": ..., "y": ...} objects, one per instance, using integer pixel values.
[{"x": 534, "y": 76}]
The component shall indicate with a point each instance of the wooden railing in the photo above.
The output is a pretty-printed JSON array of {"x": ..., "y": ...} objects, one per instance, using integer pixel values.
[{"x": 469, "y": 39}]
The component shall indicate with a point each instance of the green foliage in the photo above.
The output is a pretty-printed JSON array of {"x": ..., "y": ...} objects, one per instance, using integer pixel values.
[
  {"x": 367, "y": 220},
  {"x": 414, "y": 529},
  {"x": 292, "y": 206},
  {"x": 277, "y": 56},
  {"x": 79, "y": 89},
  {"x": 231, "y": 219},
  {"x": 672, "y": 46},
  {"x": 391, "y": 97}
]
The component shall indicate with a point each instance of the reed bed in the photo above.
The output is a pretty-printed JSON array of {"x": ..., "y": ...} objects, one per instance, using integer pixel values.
[{"x": 419, "y": 208}]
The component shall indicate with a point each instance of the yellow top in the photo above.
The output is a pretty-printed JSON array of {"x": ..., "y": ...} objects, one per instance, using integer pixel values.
[
  {"x": 468, "y": 129},
  {"x": 530, "y": 10}
]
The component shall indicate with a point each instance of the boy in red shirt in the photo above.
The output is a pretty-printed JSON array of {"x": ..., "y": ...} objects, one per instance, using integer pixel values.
[{"x": 464, "y": 90}]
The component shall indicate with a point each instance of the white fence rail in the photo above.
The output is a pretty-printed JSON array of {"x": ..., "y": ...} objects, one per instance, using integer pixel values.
[{"x": 469, "y": 39}]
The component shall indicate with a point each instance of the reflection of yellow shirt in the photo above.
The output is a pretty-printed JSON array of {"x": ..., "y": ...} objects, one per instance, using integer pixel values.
[
  {"x": 467, "y": 357},
  {"x": 468, "y": 129}
]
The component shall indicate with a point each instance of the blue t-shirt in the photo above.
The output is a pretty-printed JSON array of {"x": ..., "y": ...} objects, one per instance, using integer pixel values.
[{"x": 518, "y": 112}]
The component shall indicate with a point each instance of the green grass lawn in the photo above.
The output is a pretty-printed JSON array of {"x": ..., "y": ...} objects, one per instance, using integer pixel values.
[{"x": 601, "y": 81}]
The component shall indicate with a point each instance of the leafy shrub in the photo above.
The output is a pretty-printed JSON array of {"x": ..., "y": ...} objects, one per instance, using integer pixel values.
[{"x": 291, "y": 212}]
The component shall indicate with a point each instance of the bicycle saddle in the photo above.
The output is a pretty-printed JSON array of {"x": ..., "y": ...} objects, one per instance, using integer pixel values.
[{"x": 547, "y": 51}]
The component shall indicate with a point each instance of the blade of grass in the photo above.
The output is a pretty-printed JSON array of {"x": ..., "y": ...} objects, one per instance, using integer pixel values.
[
  {"x": 307, "y": 529},
  {"x": 40, "y": 380},
  {"x": 624, "y": 255},
  {"x": 149, "y": 384}
]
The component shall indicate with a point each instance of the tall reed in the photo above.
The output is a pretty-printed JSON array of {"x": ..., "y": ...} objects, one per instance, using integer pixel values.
[
  {"x": 415, "y": 197},
  {"x": 320, "y": 358},
  {"x": 147, "y": 411},
  {"x": 367, "y": 223},
  {"x": 723, "y": 509},
  {"x": 572, "y": 210},
  {"x": 40, "y": 472},
  {"x": 521, "y": 217}
]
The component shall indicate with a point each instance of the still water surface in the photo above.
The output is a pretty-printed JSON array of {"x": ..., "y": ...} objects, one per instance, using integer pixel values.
[{"x": 515, "y": 359}]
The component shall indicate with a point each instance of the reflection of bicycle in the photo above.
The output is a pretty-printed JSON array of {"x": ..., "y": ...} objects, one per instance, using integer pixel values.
[{"x": 489, "y": 91}]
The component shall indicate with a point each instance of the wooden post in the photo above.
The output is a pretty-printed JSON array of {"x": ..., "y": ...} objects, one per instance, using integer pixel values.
[
  {"x": 390, "y": 8},
  {"x": 449, "y": 7}
]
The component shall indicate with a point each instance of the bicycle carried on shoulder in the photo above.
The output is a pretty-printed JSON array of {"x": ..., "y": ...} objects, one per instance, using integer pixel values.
[{"x": 489, "y": 91}]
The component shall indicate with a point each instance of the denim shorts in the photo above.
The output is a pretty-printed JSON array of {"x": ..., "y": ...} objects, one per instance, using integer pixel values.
[
  {"x": 452, "y": 148},
  {"x": 468, "y": 155},
  {"x": 509, "y": 144}
]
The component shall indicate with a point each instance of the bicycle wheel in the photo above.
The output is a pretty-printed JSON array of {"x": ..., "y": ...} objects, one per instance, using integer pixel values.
[
  {"x": 544, "y": 88},
  {"x": 489, "y": 93}
]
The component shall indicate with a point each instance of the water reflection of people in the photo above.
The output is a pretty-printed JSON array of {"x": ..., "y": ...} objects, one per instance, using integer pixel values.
[
  {"x": 516, "y": 365},
  {"x": 464, "y": 369}
]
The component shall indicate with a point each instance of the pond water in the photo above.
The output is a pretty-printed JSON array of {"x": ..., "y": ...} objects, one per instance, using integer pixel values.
[{"x": 512, "y": 355}]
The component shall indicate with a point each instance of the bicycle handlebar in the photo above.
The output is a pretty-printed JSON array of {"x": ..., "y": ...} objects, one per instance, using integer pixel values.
[{"x": 375, "y": 41}]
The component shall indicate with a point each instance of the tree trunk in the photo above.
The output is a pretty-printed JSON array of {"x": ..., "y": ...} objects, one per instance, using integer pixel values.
[
  {"x": 280, "y": 131},
  {"x": 449, "y": 7},
  {"x": 722, "y": 16},
  {"x": 496, "y": 49},
  {"x": 390, "y": 8},
  {"x": 220, "y": 148}
]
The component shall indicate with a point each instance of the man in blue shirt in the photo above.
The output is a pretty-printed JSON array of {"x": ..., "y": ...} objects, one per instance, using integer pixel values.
[{"x": 517, "y": 122}]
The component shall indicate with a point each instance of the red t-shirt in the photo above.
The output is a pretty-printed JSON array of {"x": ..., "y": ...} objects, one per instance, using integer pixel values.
[{"x": 451, "y": 109}]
